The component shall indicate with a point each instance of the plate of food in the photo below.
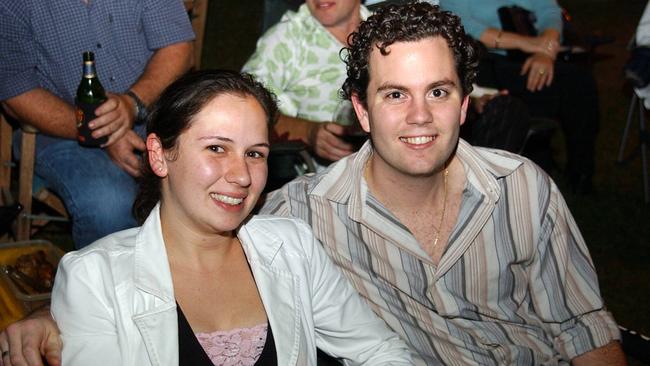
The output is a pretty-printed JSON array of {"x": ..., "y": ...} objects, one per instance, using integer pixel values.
[{"x": 29, "y": 268}]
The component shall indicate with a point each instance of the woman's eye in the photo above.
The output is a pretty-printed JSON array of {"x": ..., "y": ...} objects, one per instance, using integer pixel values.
[
  {"x": 256, "y": 154},
  {"x": 215, "y": 148}
]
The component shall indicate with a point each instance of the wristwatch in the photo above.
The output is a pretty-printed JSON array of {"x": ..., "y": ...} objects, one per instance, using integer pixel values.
[{"x": 140, "y": 108}]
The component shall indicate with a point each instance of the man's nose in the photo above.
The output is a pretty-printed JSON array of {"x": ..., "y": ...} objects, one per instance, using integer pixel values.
[{"x": 419, "y": 111}]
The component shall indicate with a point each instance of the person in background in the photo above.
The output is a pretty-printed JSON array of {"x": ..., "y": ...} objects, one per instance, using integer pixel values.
[
  {"x": 140, "y": 47},
  {"x": 470, "y": 254},
  {"x": 201, "y": 282},
  {"x": 550, "y": 87},
  {"x": 298, "y": 59}
]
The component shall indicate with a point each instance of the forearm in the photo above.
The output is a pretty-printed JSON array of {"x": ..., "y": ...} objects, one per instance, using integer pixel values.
[
  {"x": 499, "y": 39},
  {"x": 610, "y": 354},
  {"x": 165, "y": 66},
  {"x": 294, "y": 128},
  {"x": 52, "y": 117},
  {"x": 546, "y": 43}
]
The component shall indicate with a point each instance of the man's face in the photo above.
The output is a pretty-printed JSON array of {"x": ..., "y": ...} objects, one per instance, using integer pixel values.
[
  {"x": 332, "y": 13},
  {"x": 414, "y": 108}
]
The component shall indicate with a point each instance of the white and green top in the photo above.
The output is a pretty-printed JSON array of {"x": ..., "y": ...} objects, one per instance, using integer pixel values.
[{"x": 298, "y": 59}]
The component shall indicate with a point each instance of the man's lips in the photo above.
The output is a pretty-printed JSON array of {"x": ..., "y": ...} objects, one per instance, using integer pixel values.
[{"x": 418, "y": 140}]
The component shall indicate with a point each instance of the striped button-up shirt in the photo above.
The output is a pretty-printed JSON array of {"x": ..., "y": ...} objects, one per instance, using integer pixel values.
[{"x": 515, "y": 285}]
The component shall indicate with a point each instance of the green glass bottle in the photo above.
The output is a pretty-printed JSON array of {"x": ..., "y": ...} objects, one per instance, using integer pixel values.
[{"x": 90, "y": 94}]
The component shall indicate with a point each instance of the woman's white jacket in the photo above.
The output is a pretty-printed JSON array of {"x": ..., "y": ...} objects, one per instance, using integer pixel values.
[{"x": 114, "y": 300}]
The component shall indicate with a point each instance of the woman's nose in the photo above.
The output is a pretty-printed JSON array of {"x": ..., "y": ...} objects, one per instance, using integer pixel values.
[{"x": 238, "y": 172}]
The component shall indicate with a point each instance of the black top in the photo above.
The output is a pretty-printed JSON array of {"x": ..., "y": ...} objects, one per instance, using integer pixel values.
[{"x": 190, "y": 351}]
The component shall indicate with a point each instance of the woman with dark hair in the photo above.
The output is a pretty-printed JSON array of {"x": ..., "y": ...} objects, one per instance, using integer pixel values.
[{"x": 201, "y": 281}]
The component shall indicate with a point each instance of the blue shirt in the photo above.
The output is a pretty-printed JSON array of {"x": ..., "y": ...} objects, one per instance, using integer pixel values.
[
  {"x": 477, "y": 16},
  {"x": 42, "y": 41}
]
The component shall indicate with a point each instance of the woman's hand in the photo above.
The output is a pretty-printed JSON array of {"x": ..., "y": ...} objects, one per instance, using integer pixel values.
[{"x": 540, "y": 69}]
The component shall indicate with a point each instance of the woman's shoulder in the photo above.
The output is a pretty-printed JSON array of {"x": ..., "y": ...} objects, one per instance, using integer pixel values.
[{"x": 117, "y": 244}]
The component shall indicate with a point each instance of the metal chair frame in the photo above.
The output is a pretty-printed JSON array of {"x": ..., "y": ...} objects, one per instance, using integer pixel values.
[{"x": 643, "y": 140}]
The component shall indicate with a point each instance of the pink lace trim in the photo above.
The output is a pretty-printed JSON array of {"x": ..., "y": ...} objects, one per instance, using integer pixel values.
[{"x": 239, "y": 346}]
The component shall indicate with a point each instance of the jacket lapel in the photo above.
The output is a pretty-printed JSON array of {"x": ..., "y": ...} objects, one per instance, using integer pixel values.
[
  {"x": 159, "y": 331},
  {"x": 278, "y": 289},
  {"x": 155, "y": 306}
]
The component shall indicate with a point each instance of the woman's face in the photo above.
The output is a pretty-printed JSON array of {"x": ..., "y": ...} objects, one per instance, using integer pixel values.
[{"x": 217, "y": 171}]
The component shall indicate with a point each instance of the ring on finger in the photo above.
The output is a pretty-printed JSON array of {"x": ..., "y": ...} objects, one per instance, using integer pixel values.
[{"x": 542, "y": 71}]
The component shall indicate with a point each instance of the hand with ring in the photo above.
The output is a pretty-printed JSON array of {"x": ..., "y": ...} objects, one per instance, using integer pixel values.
[{"x": 540, "y": 69}]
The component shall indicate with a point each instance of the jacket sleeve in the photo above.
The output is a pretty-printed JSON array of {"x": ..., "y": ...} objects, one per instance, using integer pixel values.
[
  {"x": 345, "y": 326},
  {"x": 564, "y": 285},
  {"x": 83, "y": 307}
]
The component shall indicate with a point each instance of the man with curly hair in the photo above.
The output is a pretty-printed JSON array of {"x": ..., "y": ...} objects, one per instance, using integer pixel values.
[{"x": 470, "y": 254}]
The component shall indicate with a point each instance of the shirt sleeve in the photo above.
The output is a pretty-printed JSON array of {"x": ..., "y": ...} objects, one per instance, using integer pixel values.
[
  {"x": 564, "y": 285},
  {"x": 272, "y": 65},
  {"x": 548, "y": 14},
  {"x": 166, "y": 22},
  {"x": 470, "y": 14},
  {"x": 18, "y": 73},
  {"x": 85, "y": 314}
]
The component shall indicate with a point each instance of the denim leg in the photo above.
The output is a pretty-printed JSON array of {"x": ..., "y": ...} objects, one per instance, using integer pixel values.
[{"x": 96, "y": 192}]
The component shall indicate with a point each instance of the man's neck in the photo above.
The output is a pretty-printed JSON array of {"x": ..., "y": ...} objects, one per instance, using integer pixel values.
[
  {"x": 342, "y": 30},
  {"x": 399, "y": 190}
]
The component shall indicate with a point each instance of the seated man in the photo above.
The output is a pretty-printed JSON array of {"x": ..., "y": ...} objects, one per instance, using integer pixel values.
[
  {"x": 298, "y": 59},
  {"x": 140, "y": 47},
  {"x": 470, "y": 254}
]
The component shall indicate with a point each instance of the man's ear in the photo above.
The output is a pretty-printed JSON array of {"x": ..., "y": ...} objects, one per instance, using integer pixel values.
[
  {"x": 361, "y": 111},
  {"x": 463, "y": 109},
  {"x": 156, "y": 155}
]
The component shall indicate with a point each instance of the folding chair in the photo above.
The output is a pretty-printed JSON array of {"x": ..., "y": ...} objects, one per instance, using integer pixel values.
[{"x": 643, "y": 139}]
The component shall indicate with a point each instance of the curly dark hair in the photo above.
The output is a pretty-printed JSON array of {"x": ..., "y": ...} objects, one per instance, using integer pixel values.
[
  {"x": 174, "y": 111},
  {"x": 407, "y": 23}
]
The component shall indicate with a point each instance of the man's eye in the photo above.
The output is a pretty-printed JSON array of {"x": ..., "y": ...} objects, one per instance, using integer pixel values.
[
  {"x": 215, "y": 148},
  {"x": 439, "y": 93},
  {"x": 394, "y": 95}
]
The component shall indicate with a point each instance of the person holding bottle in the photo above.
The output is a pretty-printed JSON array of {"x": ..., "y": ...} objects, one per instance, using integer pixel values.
[{"x": 140, "y": 47}]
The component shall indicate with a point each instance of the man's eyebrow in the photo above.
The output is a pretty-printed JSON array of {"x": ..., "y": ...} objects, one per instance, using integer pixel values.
[{"x": 435, "y": 84}]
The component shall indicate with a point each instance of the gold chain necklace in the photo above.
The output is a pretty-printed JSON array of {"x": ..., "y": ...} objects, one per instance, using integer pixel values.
[{"x": 444, "y": 210}]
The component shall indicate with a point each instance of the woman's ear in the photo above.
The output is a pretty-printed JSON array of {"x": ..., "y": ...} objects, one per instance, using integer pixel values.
[{"x": 156, "y": 155}]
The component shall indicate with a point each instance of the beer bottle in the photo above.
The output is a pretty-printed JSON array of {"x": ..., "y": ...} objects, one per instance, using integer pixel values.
[{"x": 90, "y": 94}]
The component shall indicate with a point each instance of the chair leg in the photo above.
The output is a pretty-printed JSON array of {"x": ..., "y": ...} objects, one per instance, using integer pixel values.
[
  {"x": 643, "y": 137},
  {"x": 25, "y": 179},
  {"x": 626, "y": 131}
]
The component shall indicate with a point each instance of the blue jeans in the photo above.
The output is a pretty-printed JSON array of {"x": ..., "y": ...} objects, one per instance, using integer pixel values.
[{"x": 97, "y": 193}]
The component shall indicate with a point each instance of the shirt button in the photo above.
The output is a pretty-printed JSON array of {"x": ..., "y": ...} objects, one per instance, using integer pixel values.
[
  {"x": 99, "y": 45},
  {"x": 112, "y": 78}
]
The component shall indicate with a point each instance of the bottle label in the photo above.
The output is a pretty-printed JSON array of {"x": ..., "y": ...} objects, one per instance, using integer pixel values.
[
  {"x": 89, "y": 69},
  {"x": 86, "y": 113}
]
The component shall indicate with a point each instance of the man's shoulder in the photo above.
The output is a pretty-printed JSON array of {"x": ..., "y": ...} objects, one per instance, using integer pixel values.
[{"x": 498, "y": 162}]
